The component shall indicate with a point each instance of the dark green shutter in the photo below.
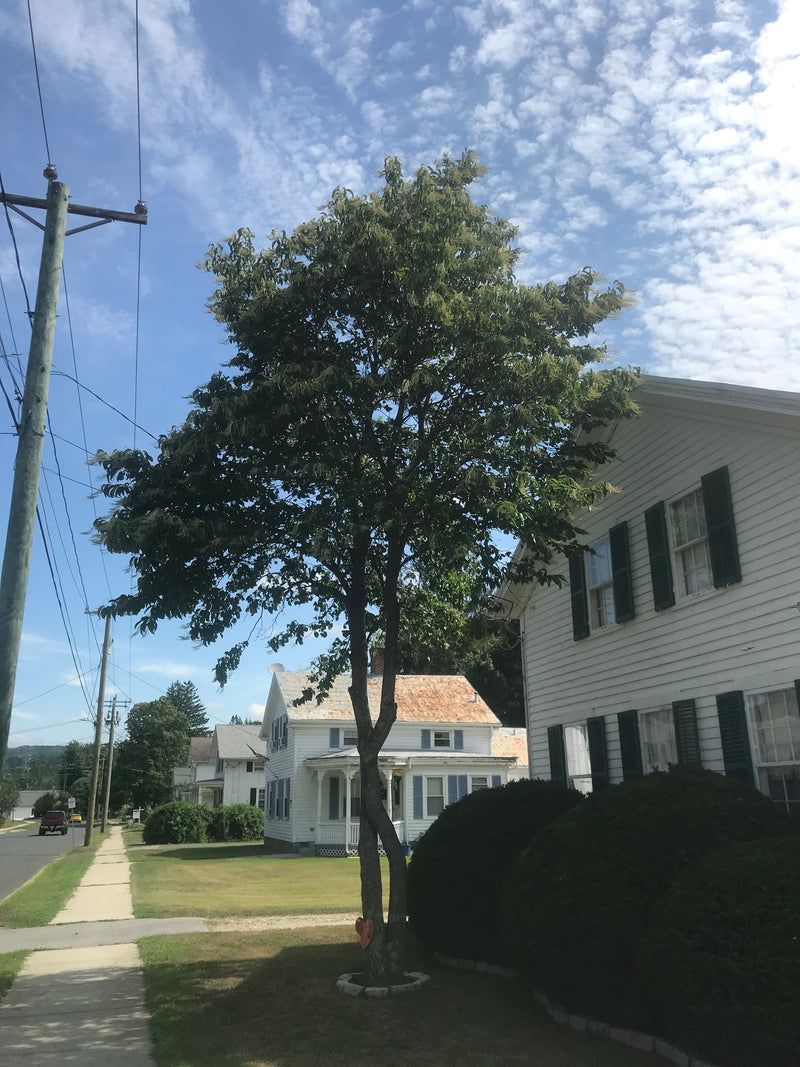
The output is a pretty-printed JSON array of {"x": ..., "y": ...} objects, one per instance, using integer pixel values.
[
  {"x": 655, "y": 519},
  {"x": 629, "y": 744},
  {"x": 558, "y": 755},
  {"x": 684, "y": 716},
  {"x": 733, "y": 734},
  {"x": 598, "y": 755},
  {"x": 580, "y": 604},
  {"x": 621, "y": 573},
  {"x": 722, "y": 546}
]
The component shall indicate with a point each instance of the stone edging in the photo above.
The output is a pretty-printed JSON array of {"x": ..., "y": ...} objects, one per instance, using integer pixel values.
[
  {"x": 631, "y": 1038},
  {"x": 345, "y": 984}
]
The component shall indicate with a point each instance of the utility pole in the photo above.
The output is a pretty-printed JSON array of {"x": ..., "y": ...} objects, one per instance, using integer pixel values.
[
  {"x": 109, "y": 763},
  {"x": 98, "y": 733},
  {"x": 25, "y": 490}
]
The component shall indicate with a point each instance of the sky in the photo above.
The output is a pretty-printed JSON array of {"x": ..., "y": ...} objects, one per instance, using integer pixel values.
[{"x": 654, "y": 140}]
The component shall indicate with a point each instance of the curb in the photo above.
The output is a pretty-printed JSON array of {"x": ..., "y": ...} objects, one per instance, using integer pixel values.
[{"x": 582, "y": 1023}]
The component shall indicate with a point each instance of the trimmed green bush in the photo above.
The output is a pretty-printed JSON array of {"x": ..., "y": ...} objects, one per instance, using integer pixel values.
[
  {"x": 236, "y": 822},
  {"x": 721, "y": 960},
  {"x": 179, "y": 822},
  {"x": 456, "y": 872},
  {"x": 582, "y": 895}
]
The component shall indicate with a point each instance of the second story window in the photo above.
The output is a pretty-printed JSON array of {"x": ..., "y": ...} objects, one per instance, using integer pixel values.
[
  {"x": 600, "y": 583},
  {"x": 441, "y": 739},
  {"x": 690, "y": 544}
]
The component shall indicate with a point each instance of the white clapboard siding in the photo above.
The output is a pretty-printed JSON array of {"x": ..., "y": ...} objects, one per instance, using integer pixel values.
[{"x": 745, "y": 636}]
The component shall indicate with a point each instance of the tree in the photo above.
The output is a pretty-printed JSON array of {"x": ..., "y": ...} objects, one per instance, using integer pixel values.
[
  {"x": 49, "y": 802},
  {"x": 77, "y": 759},
  {"x": 157, "y": 742},
  {"x": 184, "y": 696},
  {"x": 396, "y": 400},
  {"x": 9, "y": 794},
  {"x": 237, "y": 720}
]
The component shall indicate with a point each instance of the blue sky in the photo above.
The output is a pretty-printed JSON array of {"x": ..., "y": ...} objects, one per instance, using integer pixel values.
[{"x": 654, "y": 140}]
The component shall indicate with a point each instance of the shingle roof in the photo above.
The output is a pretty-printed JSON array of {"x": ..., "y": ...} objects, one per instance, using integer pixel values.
[
  {"x": 435, "y": 698},
  {"x": 200, "y": 749},
  {"x": 511, "y": 741},
  {"x": 238, "y": 742}
]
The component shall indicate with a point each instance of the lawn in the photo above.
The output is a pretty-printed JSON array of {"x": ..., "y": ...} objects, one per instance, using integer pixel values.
[
  {"x": 36, "y": 903},
  {"x": 223, "y": 881},
  {"x": 270, "y": 1000}
]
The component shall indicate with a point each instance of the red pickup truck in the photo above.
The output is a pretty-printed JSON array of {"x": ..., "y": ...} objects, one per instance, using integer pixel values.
[{"x": 53, "y": 822}]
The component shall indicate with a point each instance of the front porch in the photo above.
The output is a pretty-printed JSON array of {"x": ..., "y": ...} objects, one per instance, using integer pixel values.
[
  {"x": 338, "y": 839},
  {"x": 337, "y": 828}
]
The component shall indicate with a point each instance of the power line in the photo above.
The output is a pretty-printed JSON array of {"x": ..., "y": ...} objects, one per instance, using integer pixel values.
[
  {"x": 16, "y": 251},
  {"x": 64, "y": 374},
  {"x": 38, "y": 83}
]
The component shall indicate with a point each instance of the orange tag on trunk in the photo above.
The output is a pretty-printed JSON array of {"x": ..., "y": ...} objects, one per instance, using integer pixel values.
[{"x": 364, "y": 930}]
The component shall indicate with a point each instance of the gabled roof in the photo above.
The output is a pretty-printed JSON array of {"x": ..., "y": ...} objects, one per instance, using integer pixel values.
[
  {"x": 200, "y": 749},
  {"x": 238, "y": 742},
  {"x": 436, "y": 698},
  {"x": 511, "y": 741}
]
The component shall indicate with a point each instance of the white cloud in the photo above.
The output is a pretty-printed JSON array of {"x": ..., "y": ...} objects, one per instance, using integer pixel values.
[{"x": 166, "y": 667}]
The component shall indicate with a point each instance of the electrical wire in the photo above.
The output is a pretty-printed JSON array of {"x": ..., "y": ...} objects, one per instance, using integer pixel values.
[
  {"x": 16, "y": 251},
  {"x": 38, "y": 82},
  {"x": 91, "y": 392}
]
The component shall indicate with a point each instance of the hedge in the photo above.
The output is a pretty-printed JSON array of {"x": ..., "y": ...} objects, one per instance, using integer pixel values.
[
  {"x": 582, "y": 895},
  {"x": 236, "y": 822},
  {"x": 179, "y": 822},
  {"x": 457, "y": 869}
]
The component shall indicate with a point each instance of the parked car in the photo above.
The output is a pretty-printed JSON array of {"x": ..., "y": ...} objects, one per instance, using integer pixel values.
[
  {"x": 76, "y": 818},
  {"x": 53, "y": 822}
]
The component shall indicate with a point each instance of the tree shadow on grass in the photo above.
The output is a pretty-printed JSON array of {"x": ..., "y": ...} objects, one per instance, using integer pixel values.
[{"x": 264, "y": 1000}]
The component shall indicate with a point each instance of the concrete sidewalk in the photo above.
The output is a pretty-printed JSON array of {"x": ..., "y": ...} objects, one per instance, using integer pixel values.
[{"x": 81, "y": 998}]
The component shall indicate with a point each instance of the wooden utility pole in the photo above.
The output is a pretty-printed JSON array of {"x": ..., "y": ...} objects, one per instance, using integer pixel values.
[
  {"x": 25, "y": 490},
  {"x": 98, "y": 733},
  {"x": 109, "y": 764}
]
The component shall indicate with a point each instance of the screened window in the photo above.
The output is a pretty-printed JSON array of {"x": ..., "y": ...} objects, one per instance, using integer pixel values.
[
  {"x": 775, "y": 724},
  {"x": 435, "y": 796},
  {"x": 657, "y": 733},
  {"x": 600, "y": 585},
  {"x": 441, "y": 739},
  {"x": 579, "y": 764},
  {"x": 479, "y": 782},
  {"x": 350, "y": 738},
  {"x": 690, "y": 544}
]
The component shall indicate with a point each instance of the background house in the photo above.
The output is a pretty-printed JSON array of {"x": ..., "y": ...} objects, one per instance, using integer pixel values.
[
  {"x": 440, "y": 748},
  {"x": 23, "y": 809},
  {"x": 227, "y": 768},
  {"x": 677, "y": 639}
]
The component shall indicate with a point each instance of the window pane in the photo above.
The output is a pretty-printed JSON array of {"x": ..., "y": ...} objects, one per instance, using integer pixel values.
[
  {"x": 775, "y": 718},
  {"x": 435, "y": 792},
  {"x": 695, "y": 568},
  {"x": 598, "y": 563},
  {"x": 659, "y": 748},
  {"x": 441, "y": 739},
  {"x": 479, "y": 783}
]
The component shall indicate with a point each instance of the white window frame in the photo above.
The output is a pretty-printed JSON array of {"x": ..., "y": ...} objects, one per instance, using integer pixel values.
[
  {"x": 657, "y": 738},
  {"x": 433, "y": 799},
  {"x": 248, "y": 767},
  {"x": 349, "y": 737},
  {"x": 478, "y": 782},
  {"x": 691, "y": 559},
  {"x": 600, "y": 585},
  {"x": 442, "y": 739},
  {"x": 773, "y": 774}
]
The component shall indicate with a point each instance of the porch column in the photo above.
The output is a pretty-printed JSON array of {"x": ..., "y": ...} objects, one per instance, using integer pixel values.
[
  {"x": 348, "y": 782},
  {"x": 320, "y": 775}
]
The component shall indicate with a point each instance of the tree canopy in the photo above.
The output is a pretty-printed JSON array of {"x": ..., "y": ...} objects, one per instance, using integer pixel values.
[
  {"x": 396, "y": 401},
  {"x": 157, "y": 742}
]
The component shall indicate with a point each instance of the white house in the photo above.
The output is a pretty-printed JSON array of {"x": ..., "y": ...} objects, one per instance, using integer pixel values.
[
  {"x": 677, "y": 639},
  {"x": 188, "y": 781},
  {"x": 23, "y": 809},
  {"x": 439, "y": 749},
  {"x": 229, "y": 769}
]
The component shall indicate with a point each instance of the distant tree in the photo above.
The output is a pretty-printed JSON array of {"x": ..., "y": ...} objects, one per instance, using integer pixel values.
[
  {"x": 49, "y": 802},
  {"x": 157, "y": 742},
  {"x": 184, "y": 696},
  {"x": 9, "y": 794},
  {"x": 76, "y": 762},
  {"x": 237, "y": 720},
  {"x": 397, "y": 399},
  {"x": 80, "y": 789}
]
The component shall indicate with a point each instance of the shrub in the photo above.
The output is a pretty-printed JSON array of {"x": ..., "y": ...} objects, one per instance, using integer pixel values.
[
  {"x": 236, "y": 822},
  {"x": 179, "y": 822},
  {"x": 456, "y": 873},
  {"x": 722, "y": 958},
  {"x": 582, "y": 895}
]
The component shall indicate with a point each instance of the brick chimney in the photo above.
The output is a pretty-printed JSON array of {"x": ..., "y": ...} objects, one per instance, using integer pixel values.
[{"x": 376, "y": 667}]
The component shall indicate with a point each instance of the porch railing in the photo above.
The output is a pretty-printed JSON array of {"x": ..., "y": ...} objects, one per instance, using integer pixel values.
[{"x": 333, "y": 833}]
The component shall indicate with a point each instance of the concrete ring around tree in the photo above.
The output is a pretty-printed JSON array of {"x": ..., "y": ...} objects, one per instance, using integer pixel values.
[{"x": 350, "y": 985}]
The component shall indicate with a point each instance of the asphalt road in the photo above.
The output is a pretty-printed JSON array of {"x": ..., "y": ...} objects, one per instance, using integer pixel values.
[{"x": 23, "y": 854}]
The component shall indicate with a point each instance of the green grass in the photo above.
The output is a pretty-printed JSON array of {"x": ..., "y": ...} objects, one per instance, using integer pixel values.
[
  {"x": 36, "y": 903},
  {"x": 10, "y": 965},
  {"x": 222, "y": 881},
  {"x": 270, "y": 1000}
]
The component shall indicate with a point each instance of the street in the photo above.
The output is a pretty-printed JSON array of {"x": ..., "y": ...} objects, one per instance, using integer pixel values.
[{"x": 23, "y": 854}]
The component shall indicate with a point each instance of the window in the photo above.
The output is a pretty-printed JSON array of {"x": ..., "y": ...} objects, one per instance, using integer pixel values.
[
  {"x": 249, "y": 766},
  {"x": 272, "y": 796},
  {"x": 279, "y": 733},
  {"x": 600, "y": 585},
  {"x": 692, "y": 563},
  {"x": 657, "y": 734},
  {"x": 253, "y": 796},
  {"x": 692, "y": 543},
  {"x": 261, "y": 798},
  {"x": 441, "y": 739},
  {"x": 220, "y": 765},
  {"x": 479, "y": 782},
  {"x": 350, "y": 738},
  {"x": 435, "y": 796},
  {"x": 775, "y": 726},
  {"x": 355, "y": 798},
  {"x": 579, "y": 764}
]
